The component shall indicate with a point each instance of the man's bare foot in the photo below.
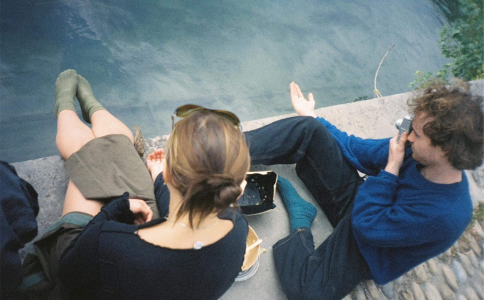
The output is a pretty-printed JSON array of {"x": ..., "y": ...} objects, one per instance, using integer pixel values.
[
  {"x": 65, "y": 91},
  {"x": 155, "y": 163}
]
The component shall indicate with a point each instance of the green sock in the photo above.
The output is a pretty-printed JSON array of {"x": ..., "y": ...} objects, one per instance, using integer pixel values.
[
  {"x": 301, "y": 212},
  {"x": 65, "y": 91},
  {"x": 89, "y": 104}
]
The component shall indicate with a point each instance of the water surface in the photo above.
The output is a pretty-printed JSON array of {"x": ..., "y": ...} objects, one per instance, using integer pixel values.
[{"x": 144, "y": 59}]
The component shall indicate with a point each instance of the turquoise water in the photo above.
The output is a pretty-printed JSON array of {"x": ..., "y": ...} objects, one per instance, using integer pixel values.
[{"x": 144, "y": 60}]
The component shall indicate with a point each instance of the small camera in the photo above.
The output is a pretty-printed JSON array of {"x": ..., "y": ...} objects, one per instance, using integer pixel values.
[{"x": 404, "y": 125}]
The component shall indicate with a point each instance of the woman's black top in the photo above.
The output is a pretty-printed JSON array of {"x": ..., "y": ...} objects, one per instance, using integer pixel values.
[{"x": 110, "y": 261}]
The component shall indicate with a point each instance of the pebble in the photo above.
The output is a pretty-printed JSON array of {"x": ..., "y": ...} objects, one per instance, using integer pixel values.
[
  {"x": 473, "y": 259},
  {"x": 466, "y": 263},
  {"x": 479, "y": 289},
  {"x": 432, "y": 266},
  {"x": 359, "y": 293},
  {"x": 420, "y": 273},
  {"x": 462, "y": 297},
  {"x": 370, "y": 285},
  {"x": 417, "y": 292},
  {"x": 388, "y": 290},
  {"x": 481, "y": 278},
  {"x": 450, "y": 277},
  {"x": 471, "y": 294},
  {"x": 475, "y": 246},
  {"x": 446, "y": 292},
  {"x": 459, "y": 271},
  {"x": 431, "y": 292},
  {"x": 406, "y": 294},
  {"x": 400, "y": 279},
  {"x": 481, "y": 265}
]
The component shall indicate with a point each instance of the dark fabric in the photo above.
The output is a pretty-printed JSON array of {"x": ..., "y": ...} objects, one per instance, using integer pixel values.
[
  {"x": 18, "y": 208},
  {"x": 336, "y": 266},
  {"x": 108, "y": 166},
  {"x": 49, "y": 249},
  {"x": 112, "y": 262},
  {"x": 162, "y": 195},
  {"x": 329, "y": 272},
  {"x": 320, "y": 165}
]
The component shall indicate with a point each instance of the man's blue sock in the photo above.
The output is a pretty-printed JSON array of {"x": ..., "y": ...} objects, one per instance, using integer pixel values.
[{"x": 301, "y": 213}]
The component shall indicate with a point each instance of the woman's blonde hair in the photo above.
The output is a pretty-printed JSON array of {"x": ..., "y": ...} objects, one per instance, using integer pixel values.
[{"x": 207, "y": 159}]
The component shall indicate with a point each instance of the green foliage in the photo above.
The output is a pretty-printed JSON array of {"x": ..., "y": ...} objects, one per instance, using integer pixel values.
[
  {"x": 361, "y": 98},
  {"x": 463, "y": 42},
  {"x": 479, "y": 213},
  {"x": 423, "y": 80}
]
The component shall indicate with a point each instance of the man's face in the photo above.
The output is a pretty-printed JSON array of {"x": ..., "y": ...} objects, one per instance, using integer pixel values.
[{"x": 423, "y": 150}]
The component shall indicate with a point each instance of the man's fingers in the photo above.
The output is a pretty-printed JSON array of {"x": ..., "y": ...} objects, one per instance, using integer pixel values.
[
  {"x": 299, "y": 93},
  {"x": 292, "y": 87},
  {"x": 311, "y": 97},
  {"x": 403, "y": 138}
]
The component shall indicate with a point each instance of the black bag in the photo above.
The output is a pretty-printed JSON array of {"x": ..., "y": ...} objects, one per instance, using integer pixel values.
[{"x": 259, "y": 193}]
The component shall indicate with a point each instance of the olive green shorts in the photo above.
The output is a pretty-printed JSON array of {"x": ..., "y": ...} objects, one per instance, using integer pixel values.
[{"x": 109, "y": 166}]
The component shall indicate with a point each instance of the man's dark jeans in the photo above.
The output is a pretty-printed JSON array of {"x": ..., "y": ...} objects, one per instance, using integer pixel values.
[{"x": 336, "y": 266}]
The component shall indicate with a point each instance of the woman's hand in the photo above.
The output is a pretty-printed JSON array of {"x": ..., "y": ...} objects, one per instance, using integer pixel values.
[
  {"x": 154, "y": 163},
  {"x": 302, "y": 106},
  {"x": 396, "y": 154},
  {"x": 142, "y": 212}
]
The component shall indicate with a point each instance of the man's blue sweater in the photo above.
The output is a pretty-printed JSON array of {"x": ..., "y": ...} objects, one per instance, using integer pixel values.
[{"x": 401, "y": 221}]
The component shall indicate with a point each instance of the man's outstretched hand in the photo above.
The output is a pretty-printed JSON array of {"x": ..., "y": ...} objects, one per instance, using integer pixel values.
[{"x": 302, "y": 106}]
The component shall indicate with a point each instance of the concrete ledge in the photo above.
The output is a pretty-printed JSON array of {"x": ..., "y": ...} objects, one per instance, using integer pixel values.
[{"x": 368, "y": 119}]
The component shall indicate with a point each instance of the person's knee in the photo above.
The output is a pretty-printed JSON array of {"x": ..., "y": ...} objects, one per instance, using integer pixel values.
[{"x": 69, "y": 147}]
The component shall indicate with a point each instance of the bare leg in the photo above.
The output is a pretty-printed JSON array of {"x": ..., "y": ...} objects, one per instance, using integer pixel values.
[
  {"x": 104, "y": 123},
  {"x": 75, "y": 202},
  {"x": 72, "y": 134}
]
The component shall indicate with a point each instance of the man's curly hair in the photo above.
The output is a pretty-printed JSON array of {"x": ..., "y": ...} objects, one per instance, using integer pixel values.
[{"x": 457, "y": 125}]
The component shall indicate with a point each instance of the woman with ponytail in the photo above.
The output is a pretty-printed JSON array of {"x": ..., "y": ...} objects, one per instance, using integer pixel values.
[{"x": 109, "y": 247}]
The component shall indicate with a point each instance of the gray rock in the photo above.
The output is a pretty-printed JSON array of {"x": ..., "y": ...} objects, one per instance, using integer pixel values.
[
  {"x": 462, "y": 297},
  {"x": 450, "y": 277},
  {"x": 466, "y": 264},
  {"x": 420, "y": 273},
  {"x": 459, "y": 271},
  {"x": 446, "y": 292},
  {"x": 481, "y": 266},
  {"x": 473, "y": 259},
  {"x": 406, "y": 294},
  {"x": 432, "y": 266},
  {"x": 471, "y": 294},
  {"x": 359, "y": 293},
  {"x": 431, "y": 292},
  {"x": 374, "y": 293},
  {"x": 388, "y": 290},
  {"x": 479, "y": 288},
  {"x": 480, "y": 278},
  {"x": 417, "y": 292},
  {"x": 400, "y": 280}
]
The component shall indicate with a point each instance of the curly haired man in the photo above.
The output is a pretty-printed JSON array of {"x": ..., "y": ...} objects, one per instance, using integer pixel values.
[{"x": 414, "y": 205}]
